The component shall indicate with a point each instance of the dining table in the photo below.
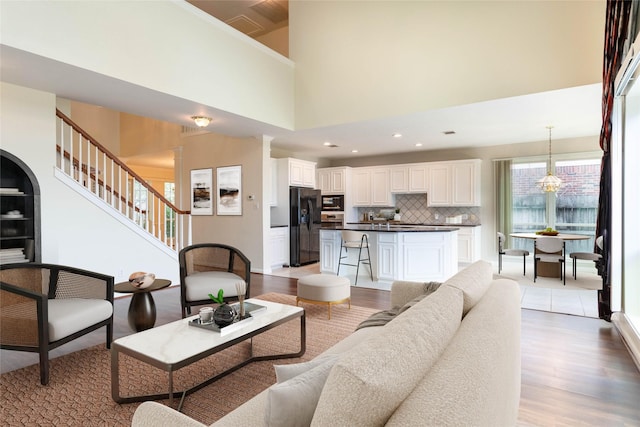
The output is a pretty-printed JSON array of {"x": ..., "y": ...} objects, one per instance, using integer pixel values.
[{"x": 548, "y": 269}]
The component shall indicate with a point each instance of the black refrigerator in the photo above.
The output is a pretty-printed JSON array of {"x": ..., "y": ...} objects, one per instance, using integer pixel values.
[{"x": 304, "y": 232}]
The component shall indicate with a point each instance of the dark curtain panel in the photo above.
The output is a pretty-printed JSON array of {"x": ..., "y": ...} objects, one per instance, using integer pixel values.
[{"x": 616, "y": 32}]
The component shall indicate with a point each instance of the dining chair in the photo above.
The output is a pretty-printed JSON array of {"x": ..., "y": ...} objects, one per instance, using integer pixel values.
[
  {"x": 511, "y": 252},
  {"x": 355, "y": 240},
  {"x": 590, "y": 256},
  {"x": 552, "y": 250}
]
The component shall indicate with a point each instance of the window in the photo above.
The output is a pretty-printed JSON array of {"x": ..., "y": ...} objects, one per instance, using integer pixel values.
[{"x": 573, "y": 209}]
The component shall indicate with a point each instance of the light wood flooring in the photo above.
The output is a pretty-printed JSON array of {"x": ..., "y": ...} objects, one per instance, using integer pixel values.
[{"x": 575, "y": 370}]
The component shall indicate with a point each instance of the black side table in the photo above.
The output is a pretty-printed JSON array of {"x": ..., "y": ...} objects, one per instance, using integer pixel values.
[{"x": 142, "y": 308}]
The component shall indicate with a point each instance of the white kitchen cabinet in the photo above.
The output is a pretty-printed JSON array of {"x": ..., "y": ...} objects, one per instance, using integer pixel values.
[
  {"x": 371, "y": 187},
  {"x": 330, "y": 243},
  {"x": 428, "y": 258},
  {"x": 465, "y": 185},
  {"x": 361, "y": 187},
  {"x": 399, "y": 179},
  {"x": 418, "y": 178},
  {"x": 279, "y": 246},
  {"x": 302, "y": 173},
  {"x": 333, "y": 180},
  {"x": 454, "y": 183},
  {"x": 412, "y": 178},
  {"x": 387, "y": 268},
  {"x": 439, "y": 193},
  {"x": 469, "y": 244}
]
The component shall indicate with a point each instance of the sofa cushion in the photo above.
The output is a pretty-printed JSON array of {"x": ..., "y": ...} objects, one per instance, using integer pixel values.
[
  {"x": 477, "y": 378},
  {"x": 292, "y": 403},
  {"x": 70, "y": 315},
  {"x": 200, "y": 285},
  {"x": 370, "y": 381},
  {"x": 473, "y": 281}
]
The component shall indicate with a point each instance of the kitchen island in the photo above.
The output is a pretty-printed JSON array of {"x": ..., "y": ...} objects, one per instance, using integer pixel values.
[{"x": 398, "y": 252}]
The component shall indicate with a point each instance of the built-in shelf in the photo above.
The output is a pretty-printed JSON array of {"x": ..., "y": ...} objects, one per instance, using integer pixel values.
[{"x": 19, "y": 211}]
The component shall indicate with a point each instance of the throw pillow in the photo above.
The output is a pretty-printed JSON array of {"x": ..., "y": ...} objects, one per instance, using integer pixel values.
[
  {"x": 286, "y": 372},
  {"x": 292, "y": 403}
]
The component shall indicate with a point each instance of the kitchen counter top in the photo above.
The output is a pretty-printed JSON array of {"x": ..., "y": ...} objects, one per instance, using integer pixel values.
[
  {"x": 440, "y": 224},
  {"x": 393, "y": 228}
]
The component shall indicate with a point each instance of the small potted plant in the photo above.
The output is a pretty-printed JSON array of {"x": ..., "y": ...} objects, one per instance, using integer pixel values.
[
  {"x": 397, "y": 217},
  {"x": 224, "y": 314}
]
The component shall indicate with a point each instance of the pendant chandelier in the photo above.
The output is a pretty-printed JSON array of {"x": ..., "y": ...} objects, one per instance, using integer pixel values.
[{"x": 550, "y": 183}]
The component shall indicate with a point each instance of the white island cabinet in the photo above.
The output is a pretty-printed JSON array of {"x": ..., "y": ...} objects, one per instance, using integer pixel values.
[{"x": 418, "y": 253}]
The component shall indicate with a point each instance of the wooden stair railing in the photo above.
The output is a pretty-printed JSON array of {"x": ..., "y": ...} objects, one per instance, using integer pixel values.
[{"x": 100, "y": 172}]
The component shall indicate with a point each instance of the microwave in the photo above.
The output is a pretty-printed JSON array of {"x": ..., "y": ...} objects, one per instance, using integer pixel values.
[{"x": 333, "y": 203}]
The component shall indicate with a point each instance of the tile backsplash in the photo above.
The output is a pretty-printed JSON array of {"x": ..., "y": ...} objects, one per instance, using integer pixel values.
[{"x": 414, "y": 209}]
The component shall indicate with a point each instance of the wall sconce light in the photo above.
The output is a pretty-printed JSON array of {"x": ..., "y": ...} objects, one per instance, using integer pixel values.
[{"x": 201, "y": 121}]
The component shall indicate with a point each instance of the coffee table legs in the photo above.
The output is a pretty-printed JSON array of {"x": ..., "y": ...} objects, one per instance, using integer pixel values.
[
  {"x": 142, "y": 311},
  {"x": 115, "y": 368}
]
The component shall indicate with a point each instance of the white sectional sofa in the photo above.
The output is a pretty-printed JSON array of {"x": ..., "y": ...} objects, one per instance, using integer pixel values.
[{"x": 451, "y": 358}]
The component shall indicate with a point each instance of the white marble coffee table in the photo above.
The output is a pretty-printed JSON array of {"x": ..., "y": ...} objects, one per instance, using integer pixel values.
[{"x": 176, "y": 345}]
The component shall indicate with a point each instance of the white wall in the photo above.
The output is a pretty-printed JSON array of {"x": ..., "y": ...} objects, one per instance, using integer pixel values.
[
  {"x": 245, "y": 231},
  {"x": 74, "y": 232},
  {"x": 359, "y": 60},
  {"x": 166, "y": 46}
]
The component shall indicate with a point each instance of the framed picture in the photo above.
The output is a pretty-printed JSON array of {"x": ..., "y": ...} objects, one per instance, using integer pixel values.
[
  {"x": 202, "y": 192},
  {"x": 229, "y": 190}
]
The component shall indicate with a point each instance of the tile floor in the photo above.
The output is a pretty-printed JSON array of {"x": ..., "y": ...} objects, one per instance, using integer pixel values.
[{"x": 579, "y": 297}]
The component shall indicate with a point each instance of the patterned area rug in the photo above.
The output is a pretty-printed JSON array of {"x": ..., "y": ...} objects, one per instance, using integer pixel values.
[{"x": 79, "y": 391}]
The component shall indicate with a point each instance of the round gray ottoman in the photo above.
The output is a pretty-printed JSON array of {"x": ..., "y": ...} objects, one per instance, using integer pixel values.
[{"x": 324, "y": 289}]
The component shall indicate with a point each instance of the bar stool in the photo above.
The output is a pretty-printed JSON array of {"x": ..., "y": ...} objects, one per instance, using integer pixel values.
[{"x": 355, "y": 240}]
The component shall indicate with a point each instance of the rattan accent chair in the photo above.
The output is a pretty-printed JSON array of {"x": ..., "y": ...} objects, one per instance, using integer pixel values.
[
  {"x": 207, "y": 267},
  {"x": 43, "y": 306}
]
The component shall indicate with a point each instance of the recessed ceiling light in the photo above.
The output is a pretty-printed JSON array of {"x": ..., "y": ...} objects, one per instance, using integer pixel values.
[
  {"x": 449, "y": 132},
  {"x": 418, "y": 145},
  {"x": 354, "y": 151},
  {"x": 397, "y": 135},
  {"x": 327, "y": 143}
]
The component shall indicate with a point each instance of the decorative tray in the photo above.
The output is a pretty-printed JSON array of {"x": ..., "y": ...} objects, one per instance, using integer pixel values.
[{"x": 237, "y": 324}]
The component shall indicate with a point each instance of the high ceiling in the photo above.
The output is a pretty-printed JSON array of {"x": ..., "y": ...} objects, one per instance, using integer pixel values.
[
  {"x": 252, "y": 17},
  {"x": 574, "y": 112}
]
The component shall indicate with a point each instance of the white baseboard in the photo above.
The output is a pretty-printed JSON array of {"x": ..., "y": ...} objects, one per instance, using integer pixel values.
[{"x": 630, "y": 335}]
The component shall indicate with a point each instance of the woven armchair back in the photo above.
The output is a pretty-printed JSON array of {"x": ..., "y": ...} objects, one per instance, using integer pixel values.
[{"x": 213, "y": 257}]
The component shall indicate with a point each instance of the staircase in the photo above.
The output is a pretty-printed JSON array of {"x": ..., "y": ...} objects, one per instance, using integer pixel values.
[{"x": 84, "y": 162}]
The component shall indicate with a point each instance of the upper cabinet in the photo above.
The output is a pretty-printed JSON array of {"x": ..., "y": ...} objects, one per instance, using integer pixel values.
[
  {"x": 333, "y": 180},
  {"x": 371, "y": 187},
  {"x": 454, "y": 183},
  {"x": 412, "y": 178},
  {"x": 302, "y": 173}
]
